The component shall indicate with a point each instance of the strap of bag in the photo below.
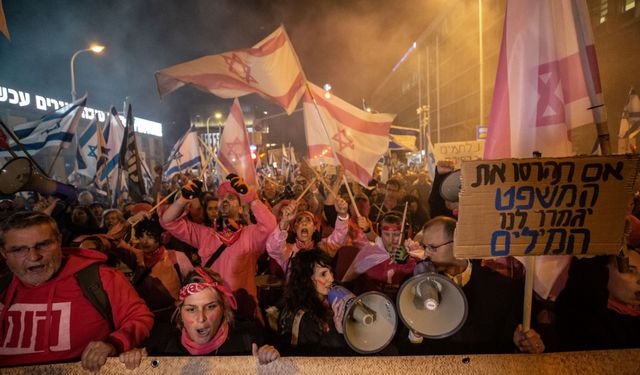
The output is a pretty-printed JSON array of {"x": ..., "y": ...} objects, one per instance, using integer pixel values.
[
  {"x": 215, "y": 256},
  {"x": 295, "y": 329}
]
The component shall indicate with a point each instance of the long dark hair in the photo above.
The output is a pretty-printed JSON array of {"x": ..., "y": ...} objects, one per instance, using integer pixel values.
[{"x": 300, "y": 292}]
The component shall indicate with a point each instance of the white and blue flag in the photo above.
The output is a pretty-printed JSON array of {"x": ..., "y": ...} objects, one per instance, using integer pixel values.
[
  {"x": 55, "y": 129},
  {"x": 185, "y": 155}
]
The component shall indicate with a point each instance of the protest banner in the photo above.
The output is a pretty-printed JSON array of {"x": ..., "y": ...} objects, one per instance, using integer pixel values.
[
  {"x": 544, "y": 206},
  {"x": 457, "y": 152}
]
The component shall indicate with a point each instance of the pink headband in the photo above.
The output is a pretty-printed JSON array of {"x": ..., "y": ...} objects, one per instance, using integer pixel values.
[
  {"x": 225, "y": 188},
  {"x": 390, "y": 227},
  {"x": 193, "y": 288}
]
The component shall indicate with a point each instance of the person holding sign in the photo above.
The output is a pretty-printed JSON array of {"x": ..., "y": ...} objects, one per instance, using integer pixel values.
[{"x": 494, "y": 301}]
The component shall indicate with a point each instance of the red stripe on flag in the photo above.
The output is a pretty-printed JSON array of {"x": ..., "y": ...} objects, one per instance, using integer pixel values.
[
  {"x": 349, "y": 120},
  {"x": 213, "y": 81},
  {"x": 269, "y": 47},
  {"x": 316, "y": 152}
]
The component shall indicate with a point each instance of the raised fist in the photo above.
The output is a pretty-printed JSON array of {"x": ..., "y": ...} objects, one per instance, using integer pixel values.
[
  {"x": 247, "y": 194},
  {"x": 191, "y": 189},
  {"x": 238, "y": 183}
]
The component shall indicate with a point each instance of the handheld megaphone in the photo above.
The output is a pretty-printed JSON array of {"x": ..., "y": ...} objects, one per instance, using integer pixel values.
[
  {"x": 432, "y": 305},
  {"x": 19, "y": 175},
  {"x": 451, "y": 187},
  {"x": 369, "y": 320}
]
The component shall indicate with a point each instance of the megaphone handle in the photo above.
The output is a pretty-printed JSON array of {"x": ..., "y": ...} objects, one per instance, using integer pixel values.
[{"x": 65, "y": 192}]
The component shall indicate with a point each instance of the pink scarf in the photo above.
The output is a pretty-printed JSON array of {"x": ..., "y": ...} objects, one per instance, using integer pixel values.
[
  {"x": 304, "y": 245},
  {"x": 200, "y": 349}
]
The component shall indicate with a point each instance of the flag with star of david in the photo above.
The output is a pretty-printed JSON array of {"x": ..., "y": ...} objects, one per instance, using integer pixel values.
[
  {"x": 547, "y": 84},
  {"x": 547, "y": 80},
  {"x": 107, "y": 167},
  {"x": 235, "y": 152},
  {"x": 270, "y": 68},
  {"x": 185, "y": 155},
  {"x": 358, "y": 138},
  {"x": 55, "y": 129},
  {"x": 88, "y": 151}
]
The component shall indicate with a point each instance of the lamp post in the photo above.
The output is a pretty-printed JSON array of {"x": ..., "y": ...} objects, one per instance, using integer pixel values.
[
  {"x": 95, "y": 49},
  {"x": 216, "y": 116}
]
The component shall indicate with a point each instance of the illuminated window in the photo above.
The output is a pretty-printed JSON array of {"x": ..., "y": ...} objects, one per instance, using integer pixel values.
[
  {"x": 604, "y": 10},
  {"x": 628, "y": 5}
]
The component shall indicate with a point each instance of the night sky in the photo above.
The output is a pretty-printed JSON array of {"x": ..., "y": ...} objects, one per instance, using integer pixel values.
[{"x": 350, "y": 43}]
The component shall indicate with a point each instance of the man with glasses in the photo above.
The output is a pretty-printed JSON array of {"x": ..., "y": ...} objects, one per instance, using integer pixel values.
[
  {"x": 494, "y": 301},
  {"x": 46, "y": 315}
]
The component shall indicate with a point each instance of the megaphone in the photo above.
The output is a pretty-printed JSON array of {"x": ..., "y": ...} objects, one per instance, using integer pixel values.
[
  {"x": 432, "y": 305},
  {"x": 369, "y": 320},
  {"x": 19, "y": 175},
  {"x": 451, "y": 187}
]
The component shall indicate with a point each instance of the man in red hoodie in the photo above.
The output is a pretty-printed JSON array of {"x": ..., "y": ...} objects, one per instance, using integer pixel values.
[{"x": 44, "y": 314}]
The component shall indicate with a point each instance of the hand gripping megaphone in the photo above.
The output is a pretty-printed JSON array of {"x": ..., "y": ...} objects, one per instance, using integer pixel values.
[
  {"x": 432, "y": 305},
  {"x": 369, "y": 320},
  {"x": 19, "y": 175}
]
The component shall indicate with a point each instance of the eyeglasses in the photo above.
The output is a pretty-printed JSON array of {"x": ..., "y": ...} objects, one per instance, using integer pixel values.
[
  {"x": 434, "y": 248},
  {"x": 23, "y": 251}
]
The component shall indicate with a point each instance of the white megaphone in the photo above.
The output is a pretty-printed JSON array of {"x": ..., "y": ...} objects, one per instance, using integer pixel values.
[
  {"x": 451, "y": 187},
  {"x": 19, "y": 175},
  {"x": 432, "y": 305},
  {"x": 369, "y": 320}
]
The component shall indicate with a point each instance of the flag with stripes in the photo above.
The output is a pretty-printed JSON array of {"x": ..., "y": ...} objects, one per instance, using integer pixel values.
[
  {"x": 113, "y": 138},
  {"x": 88, "y": 152},
  {"x": 186, "y": 154},
  {"x": 403, "y": 138},
  {"x": 269, "y": 68},
  {"x": 358, "y": 138},
  {"x": 55, "y": 129}
]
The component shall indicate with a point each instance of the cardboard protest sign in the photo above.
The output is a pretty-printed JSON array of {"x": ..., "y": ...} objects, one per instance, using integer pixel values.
[
  {"x": 544, "y": 206},
  {"x": 457, "y": 152}
]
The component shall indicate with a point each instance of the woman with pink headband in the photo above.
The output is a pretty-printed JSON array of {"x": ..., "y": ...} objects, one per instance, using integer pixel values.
[{"x": 205, "y": 325}]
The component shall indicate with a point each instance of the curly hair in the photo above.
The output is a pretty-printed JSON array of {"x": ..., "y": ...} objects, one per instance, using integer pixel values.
[
  {"x": 151, "y": 227},
  {"x": 300, "y": 292},
  {"x": 194, "y": 277}
]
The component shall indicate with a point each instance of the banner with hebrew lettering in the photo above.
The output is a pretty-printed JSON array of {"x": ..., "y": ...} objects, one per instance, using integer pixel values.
[
  {"x": 457, "y": 152},
  {"x": 544, "y": 206}
]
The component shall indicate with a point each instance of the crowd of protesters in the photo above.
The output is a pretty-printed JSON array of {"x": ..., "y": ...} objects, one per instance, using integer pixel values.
[{"x": 230, "y": 269}]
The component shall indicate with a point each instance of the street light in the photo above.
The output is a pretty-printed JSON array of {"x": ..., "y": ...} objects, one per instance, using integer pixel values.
[
  {"x": 216, "y": 116},
  {"x": 97, "y": 49}
]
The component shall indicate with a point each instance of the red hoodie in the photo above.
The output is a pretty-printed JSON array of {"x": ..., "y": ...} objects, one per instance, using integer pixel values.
[{"x": 55, "y": 322}]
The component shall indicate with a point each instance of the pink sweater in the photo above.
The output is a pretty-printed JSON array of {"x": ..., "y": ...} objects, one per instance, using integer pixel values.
[
  {"x": 282, "y": 252},
  {"x": 237, "y": 265}
]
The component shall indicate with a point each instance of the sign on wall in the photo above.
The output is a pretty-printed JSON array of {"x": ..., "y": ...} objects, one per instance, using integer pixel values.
[{"x": 544, "y": 206}]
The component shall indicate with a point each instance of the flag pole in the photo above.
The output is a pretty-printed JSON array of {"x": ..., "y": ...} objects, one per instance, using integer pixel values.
[
  {"x": 353, "y": 201},
  {"x": 53, "y": 163},
  {"x": 21, "y": 146},
  {"x": 305, "y": 190}
]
